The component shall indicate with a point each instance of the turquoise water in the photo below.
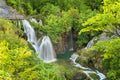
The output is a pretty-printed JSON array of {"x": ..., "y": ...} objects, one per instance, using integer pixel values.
[{"x": 66, "y": 55}]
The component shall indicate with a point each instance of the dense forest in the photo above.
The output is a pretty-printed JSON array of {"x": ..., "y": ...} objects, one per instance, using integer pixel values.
[{"x": 95, "y": 21}]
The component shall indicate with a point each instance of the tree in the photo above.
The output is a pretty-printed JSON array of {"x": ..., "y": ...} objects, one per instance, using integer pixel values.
[
  {"x": 111, "y": 54},
  {"x": 107, "y": 20}
]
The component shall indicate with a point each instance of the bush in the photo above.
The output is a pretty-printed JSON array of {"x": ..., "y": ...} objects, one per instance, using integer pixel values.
[
  {"x": 10, "y": 33},
  {"x": 111, "y": 54},
  {"x": 21, "y": 63}
]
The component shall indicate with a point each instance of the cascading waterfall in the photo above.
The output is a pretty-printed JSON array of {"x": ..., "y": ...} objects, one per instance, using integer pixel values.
[
  {"x": 45, "y": 49},
  {"x": 87, "y": 71},
  {"x": 91, "y": 42},
  {"x": 47, "y": 52},
  {"x": 31, "y": 37}
]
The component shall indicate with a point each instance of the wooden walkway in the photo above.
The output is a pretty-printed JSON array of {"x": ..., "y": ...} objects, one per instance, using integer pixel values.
[{"x": 8, "y": 12}]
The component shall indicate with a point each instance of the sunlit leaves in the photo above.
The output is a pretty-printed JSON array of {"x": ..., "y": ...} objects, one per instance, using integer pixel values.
[
  {"x": 10, "y": 33},
  {"x": 56, "y": 25},
  {"x": 20, "y": 63},
  {"x": 4, "y": 75},
  {"x": 110, "y": 51},
  {"x": 99, "y": 22},
  {"x": 12, "y": 60},
  {"x": 22, "y": 6},
  {"x": 49, "y": 9},
  {"x": 107, "y": 20}
]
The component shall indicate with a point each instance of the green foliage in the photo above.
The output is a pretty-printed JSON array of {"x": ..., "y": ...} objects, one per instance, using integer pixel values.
[
  {"x": 21, "y": 63},
  {"x": 28, "y": 10},
  {"x": 22, "y": 6},
  {"x": 58, "y": 23},
  {"x": 63, "y": 4},
  {"x": 86, "y": 15},
  {"x": 58, "y": 16},
  {"x": 73, "y": 13},
  {"x": 111, "y": 54},
  {"x": 9, "y": 32},
  {"x": 104, "y": 54},
  {"x": 4, "y": 75},
  {"x": 74, "y": 17},
  {"x": 98, "y": 23},
  {"x": 15, "y": 62},
  {"x": 83, "y": 38},
  {"x": 108, "y": 19},
  {"x": 49, "y": 9},
  {"x": 56, "y": 26},
  {"x": 38, "y": 4},
  {"x": 94, "y": 4}
]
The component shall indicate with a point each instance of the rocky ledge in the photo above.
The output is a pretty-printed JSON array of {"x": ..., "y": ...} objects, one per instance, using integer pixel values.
[{"x": 8, "y": 12}]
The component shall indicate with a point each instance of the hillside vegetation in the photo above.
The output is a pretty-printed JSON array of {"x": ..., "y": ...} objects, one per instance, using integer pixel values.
[{"x": 87, "y": 19}]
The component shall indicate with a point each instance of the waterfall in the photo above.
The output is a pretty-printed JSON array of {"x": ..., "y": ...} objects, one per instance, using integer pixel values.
[
  {"x": 31, "y": 37},
  {"x": 45, "y": 49},
  {"x": 87, "y": 71},
  {"x": 47, "y": 52},
  {"x": 91, "y": 42},
  {"x": 71, "y": 41}
]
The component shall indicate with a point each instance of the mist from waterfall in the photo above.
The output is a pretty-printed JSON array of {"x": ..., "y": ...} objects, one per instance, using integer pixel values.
[{"x": 45, "y": 49}]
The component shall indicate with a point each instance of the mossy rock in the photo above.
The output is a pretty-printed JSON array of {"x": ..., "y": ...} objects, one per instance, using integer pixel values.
[
  {"x": 90, "y": 58},
  {"x": 80, "y": 76},
  {"x": 94, "y": 76}
]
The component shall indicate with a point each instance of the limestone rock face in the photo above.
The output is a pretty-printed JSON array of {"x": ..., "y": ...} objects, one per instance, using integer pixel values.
[
  {"x": 103, "y": 36},
  {"x": 8, "y": 12},
  {"x": 63, "y": 45}
]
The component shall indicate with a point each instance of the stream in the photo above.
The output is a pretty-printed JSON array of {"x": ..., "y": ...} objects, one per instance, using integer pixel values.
[{"x": 87, "y": 71}]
